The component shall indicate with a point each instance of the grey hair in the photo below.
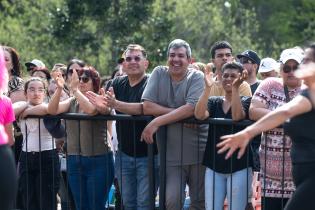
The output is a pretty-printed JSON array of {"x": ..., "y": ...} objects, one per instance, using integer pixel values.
[{"x": 178, "y": 43}]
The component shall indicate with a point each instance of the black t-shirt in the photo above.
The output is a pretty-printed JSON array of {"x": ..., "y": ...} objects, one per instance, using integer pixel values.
[
  {"x": 301, "y": 129},
  {"x": 212, "y": 159},
  {"x": 254, "y": 86},
  {"x": 129, "y": 132}
]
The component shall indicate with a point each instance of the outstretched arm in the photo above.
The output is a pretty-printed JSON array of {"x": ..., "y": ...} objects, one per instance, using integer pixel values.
[{"x": 231, "y": 143}]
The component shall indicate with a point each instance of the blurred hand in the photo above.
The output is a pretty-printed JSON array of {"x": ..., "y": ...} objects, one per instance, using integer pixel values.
[
  {"x": 233, "y": 142},
  {"x": 57, "y": 76},
  {"x": 110, "y": 98},
  {"x": 97, "y": 100},
  {"x": 240, "y": 79},
  {"x": 74, "y": 83},
  {"x": 208, "y": 77}
]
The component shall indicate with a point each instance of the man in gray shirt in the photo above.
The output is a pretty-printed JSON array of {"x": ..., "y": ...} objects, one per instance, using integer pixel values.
[{"x": 171, "y": 95}]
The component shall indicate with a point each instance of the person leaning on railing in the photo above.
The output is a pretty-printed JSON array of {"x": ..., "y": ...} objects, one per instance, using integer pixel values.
[
  {"x": 220, "y": 172},
  {"x": 89, "y": 159},
  {"x": 274, "y": 153},
  {"x": 300, "y": 128},
  {"x": 39, "y": 163}
]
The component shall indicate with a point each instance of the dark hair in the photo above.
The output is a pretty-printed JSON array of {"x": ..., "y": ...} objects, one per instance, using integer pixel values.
[
  {"x": 233, "y": 65},
  {"x": 219, "y": 45},
  {"x": 95, "y": 76},
  {"x": 32, "y": 79},
  {"x": 16, "y": 70},
  {"x": 132, "y": 47},
  {"x": 81, "y": 63},
  {"x": 42, "y": 69}
]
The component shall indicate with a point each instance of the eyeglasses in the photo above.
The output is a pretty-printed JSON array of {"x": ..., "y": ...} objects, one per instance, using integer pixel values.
[
  {"x": 84, "y": 79},
  {"x": 288, "y": 69},
  {"x": 244, "y": 60},
  {"x": 136, "y": 59},
  {"x": 33, "y": 90}
]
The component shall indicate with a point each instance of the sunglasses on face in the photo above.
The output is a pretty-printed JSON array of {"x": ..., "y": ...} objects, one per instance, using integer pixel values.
[
  {"x": 288, "y": 69},
  {"x": 244, "y": 60},
  {"x": 136, "y": 59},
  {"x": 84, "y": 79}
]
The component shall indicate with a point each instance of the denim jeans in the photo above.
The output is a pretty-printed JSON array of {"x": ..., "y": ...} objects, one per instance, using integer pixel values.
[
  {"x": 218, "y": 186},
  {"x": 39, "y": 176},
  {"x": 90, "y": 179},
  {"x": 133, "y": 179}
]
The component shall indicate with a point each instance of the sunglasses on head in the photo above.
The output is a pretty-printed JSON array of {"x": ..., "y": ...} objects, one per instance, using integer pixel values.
[
  {"x": 136, "y": 59},
  {"x": 84, "y": 79},
  {"x": 80, "y": 72},
  {"x": 288, "y": 69}
]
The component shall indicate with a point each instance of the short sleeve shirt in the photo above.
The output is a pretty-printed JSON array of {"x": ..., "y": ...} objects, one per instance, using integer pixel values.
[
  {"x": 129, "y": 132},
  {"x": 184, "y": 145},
  {"x": 273, "y": 161},
  {"x": 6, "y": 115},
  {"x": 212, "y": 159}
]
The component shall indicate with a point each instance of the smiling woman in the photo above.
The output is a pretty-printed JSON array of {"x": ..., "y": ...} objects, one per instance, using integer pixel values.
[
  {"x": 230, "y": 106},
  {"x": 38, "y": 159}
]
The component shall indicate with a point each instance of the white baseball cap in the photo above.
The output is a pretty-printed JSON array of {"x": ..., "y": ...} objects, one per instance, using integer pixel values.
[
  {"x": 268, "y": 64},
  {"x": 292, "y": 54},
  {"x": 35, "y": 62}
]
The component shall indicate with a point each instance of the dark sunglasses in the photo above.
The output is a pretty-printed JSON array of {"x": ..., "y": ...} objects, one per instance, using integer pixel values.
[
  {"x": 84, "y": 79},
  {"x": 244, "y": 60},
  {"x": 136, "y": 59},
  {"x": 288, "y": 69}
]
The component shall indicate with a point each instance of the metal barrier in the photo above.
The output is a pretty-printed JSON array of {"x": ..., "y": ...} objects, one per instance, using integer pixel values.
[{"x": 151, "y": 163}]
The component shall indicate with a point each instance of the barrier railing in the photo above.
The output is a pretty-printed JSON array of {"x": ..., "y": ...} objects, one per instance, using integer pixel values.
[{"x": 151, "y": 163}]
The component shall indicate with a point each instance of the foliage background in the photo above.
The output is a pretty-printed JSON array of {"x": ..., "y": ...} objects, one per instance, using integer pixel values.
[{"x": 97, "y": 31}]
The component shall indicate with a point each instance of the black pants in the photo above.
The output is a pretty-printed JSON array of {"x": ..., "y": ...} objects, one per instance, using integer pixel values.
[
  {"x": 304, "y": 180},
  {"x": 39, "y": 179},
  {"x": 8, "y": 178},
  {"x": 268, "y": 203}
]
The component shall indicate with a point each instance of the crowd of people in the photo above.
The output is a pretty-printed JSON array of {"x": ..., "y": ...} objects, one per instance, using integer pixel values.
[{"x": 205, "y": 157}]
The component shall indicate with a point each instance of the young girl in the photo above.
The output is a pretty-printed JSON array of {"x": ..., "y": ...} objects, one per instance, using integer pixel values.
[
  {"x": 39, "y": 164},
  {"x": 231, "y": 179},
  {"x": 8, "y": 179},
  {"x": 89, "y": 159}
]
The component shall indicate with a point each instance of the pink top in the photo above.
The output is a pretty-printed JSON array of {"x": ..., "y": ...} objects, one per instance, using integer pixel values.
[{"x": 6, "y": 117}]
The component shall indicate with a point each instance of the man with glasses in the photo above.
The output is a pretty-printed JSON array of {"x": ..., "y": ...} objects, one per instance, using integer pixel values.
[
  {"x": 171, "y": 95},
  {"x": 275, "y": 162},
  {"x": 131, "y": 159},
  {"x": 250, "y": 61}
]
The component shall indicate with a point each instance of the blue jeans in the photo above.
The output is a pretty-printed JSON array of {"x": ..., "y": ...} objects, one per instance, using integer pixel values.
[
  {"x": 90, "y": 179},
  {"x": 218, "y": 186},
  {"x": 133, "y": 179}
]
